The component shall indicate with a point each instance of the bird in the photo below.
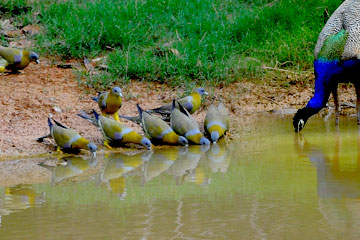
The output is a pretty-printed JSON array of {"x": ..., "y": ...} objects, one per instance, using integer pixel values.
[
  {"x": 185, "y": 125},
  {"x": 3, "y": 64},
  {"x": 336, "y": 60},
  {"x": 15, "y": 59},
  {"x": 157, "y": 129},
  {"x": 191, "y": 103},
  {"x": 216, "y": 121},
  {"x": 115, "y": 132},
  {"x": 110, "y": 102},
  {"x": 68, "y": 167},
  {"x": 68, "y": 140}
]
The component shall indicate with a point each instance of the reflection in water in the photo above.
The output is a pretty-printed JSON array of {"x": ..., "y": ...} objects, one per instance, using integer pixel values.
[
  {"x": 18, "y": 198},
  {"x": 219, "y": 158},
  {"x": 337, "y": 176},
  {"x": 338, "y": 182},
  {"x": 69, "y": 167},
  {"x": 118, "y": 166}
]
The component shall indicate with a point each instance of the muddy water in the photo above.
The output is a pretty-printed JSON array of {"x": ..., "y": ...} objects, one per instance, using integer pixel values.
[{"x": 269, "y": 183}]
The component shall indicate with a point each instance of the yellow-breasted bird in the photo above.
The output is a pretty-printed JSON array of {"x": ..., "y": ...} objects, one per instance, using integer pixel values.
[
  {"x": 157, "y": 129},
  {"x": 3, "y": 64},
  {"x": 116, "y": 132},
  {"x": 110, "y": 102},
  {"x": 68, "y": 140},
  {"x": 185, "y": 125},
  {"x": 190, "y": 103},
  {"x": 216, "y": 121},
  {"x": 16, "y": 59}
]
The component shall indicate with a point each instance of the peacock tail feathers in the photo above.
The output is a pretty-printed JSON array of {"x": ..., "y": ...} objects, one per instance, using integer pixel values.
[{"x": 334, "y": 45}]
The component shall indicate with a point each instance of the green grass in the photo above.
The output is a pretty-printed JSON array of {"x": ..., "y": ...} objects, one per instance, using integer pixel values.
[{"x": 183, "y": 42}]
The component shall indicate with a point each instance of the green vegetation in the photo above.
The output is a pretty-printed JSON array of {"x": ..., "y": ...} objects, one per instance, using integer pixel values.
[{"x": 182, "y": 42}]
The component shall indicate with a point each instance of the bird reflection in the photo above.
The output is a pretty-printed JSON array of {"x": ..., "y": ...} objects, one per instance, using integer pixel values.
[
  {"x": 69, "y": 167},
  {"x": 160, "y": 161},
  {"x": 337, "y": 176},
  {"x": 119, "y": 166},
  {"x": 219, "y": 158},
  {"x": 19, "y": 197},
  {"x": 197, "y": 174},
  {"x": 187, "y": 160}
]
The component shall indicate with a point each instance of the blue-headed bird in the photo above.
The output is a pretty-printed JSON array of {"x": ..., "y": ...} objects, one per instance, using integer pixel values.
[
  {"x": 337, "y": 60},
  {"x": 68, "y": 140},
  {"x": 16, "y": 59},
  {"x": 216, "y": 121},
  {"x": 191, "y": 103},
  {"x": 157, "y": 129},
  {"x": 110, "y": 102},
  {"x": 116, "y": 132},
  {"x": 185, "y": 125}
]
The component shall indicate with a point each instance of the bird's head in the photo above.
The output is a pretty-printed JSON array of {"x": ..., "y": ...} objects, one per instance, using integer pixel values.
[
  {"x": 214, "y": 136},
  {"x": 34, "y": 57},
  {"x": 204, "y": 141},
  {"x": 92, "y": 148},
  {"x": 182, "y": 141},
  {"x": 201, "y": 91},
  {"x": 300, "y": 118},
  {"x": 116, "y": 91},
  {"x": 146, "y": 143}
]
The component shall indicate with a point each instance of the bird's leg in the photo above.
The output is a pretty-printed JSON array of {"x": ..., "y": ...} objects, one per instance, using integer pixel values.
[
  {"x": 116, "y": 116},
  {"x": 337, "y": 104},
  {"x": 59, "y": 150},
  {"x": 357, "y": 89},
  {"x": 106, "y": 144}
]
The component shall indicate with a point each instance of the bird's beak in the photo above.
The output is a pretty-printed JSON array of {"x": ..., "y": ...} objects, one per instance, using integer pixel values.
[
  {"x": 37, "y": 61},
  {"x": 94, "y": 154},
  {"x": 121, "y": 95},
  {"x": 206, "y": 93},
  {"x": 300, "y": 125}
]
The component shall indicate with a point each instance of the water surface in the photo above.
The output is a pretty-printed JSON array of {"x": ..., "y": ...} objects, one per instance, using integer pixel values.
[{"x": 269, "y": 183}]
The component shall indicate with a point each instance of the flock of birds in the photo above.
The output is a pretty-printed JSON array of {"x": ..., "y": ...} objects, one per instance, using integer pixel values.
[
  {"x": 337, "y": 60},
  {"x": 169, "y": 124},
  {"x": 183, "y": 128}
]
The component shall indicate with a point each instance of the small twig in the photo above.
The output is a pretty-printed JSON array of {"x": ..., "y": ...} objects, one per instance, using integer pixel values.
[
  {"x": 101, "y": 31},
  {"x": 133, "y": 29},
  {"x": 282, "y": 70},
  {"x": 177, "y": 35},
  {"x": 202, "y": 39},
  {"x": 213, "y": 6}
]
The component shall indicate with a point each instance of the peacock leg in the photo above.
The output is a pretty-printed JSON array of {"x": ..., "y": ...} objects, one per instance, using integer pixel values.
[
  {"x": 357, "y": 89},
  {"x": 337, "y": 103}
]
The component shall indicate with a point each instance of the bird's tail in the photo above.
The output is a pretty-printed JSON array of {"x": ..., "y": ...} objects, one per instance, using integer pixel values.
[
  {"x": 50, "y": 124},
  {"x": 89, "y": 118},
  {"x": 159, "y": 110},
  {"x": 135, "y": 119},
  {"x": 41, "y": 139},
  {"x": 96, "y": 115},
  {"x": 57, "y": 123},
  {"x": 140, "y": 110},
  {"x": 173, "y": 106}
]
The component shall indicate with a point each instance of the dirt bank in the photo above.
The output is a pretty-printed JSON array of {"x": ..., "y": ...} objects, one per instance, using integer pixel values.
[{"x": 28, "y": 98}]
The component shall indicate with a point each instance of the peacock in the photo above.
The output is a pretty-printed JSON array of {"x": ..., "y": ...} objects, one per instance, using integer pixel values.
[{"x": 337, "y": 60}]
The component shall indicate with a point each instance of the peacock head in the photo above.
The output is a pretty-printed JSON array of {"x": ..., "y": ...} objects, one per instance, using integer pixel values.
[{"x": 300, "y": 118}]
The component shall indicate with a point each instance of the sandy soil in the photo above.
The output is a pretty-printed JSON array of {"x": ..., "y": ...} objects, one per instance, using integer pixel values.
[{"x": 27, "y": 99}]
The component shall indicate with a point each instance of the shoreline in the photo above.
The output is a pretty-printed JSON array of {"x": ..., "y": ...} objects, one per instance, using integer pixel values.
[{"x": 42, "y": 90}]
